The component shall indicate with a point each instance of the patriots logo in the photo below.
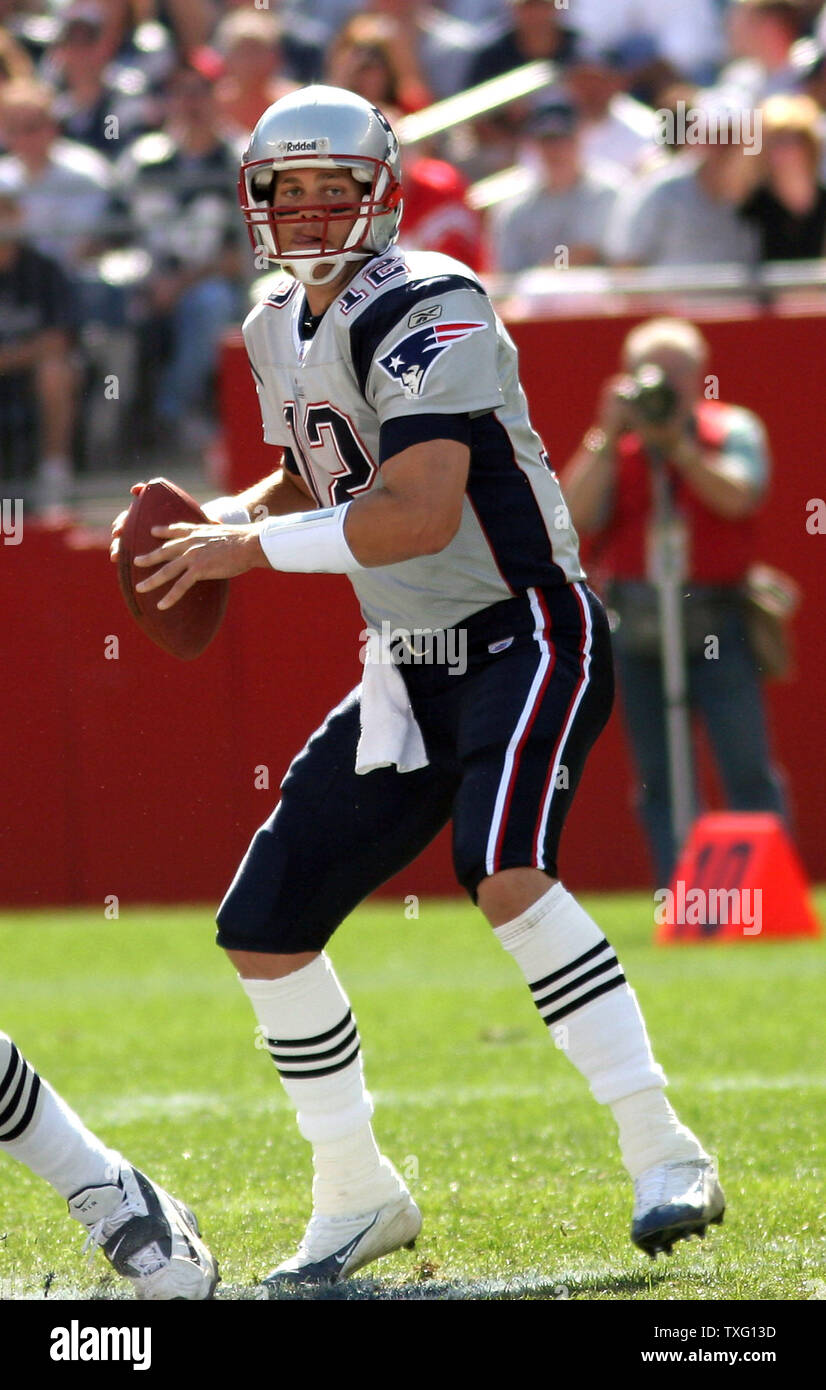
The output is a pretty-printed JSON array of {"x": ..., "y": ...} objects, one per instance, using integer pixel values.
[{"x": 411, "y": 359}]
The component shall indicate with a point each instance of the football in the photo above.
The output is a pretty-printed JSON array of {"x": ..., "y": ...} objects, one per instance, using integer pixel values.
[{"x": 186, "y": 629}]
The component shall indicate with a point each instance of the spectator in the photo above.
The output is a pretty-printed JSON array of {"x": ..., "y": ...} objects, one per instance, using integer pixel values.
[
  {"x": 66, "y": 187},
  {"x": 685, "y": 34},
  {"x": 189, "y": 20},
  {"x": 92, "y": 108},
  {"x": 323, "y": 17},
  {"x": 451, "y": 34},
  {"x": 536, "y": 32},
  {"x": 179, "y": 189},
  {"x": 811, "y": 70},
  {"x": 443, "y": 38},
  {"x": 616, "y": 129},
  {"x": 670, "y": 133},
  {"x": 788, "y": 208},
  {"x": 436, "y": 216},
  {"x": 490, "y": 144},
  {"x": 717, "y": 464},
  {"x": 15, "y": 62},
  {"x": 685, "y": 213},
  {"x": 253, "y": 76},
  {"x": 810, "y": 66},
  {"x": 762, "y": 34},
  {"x": 569, "y": 205},
  {"x": 37, "y": 379},
  {"x": 67, "y": 204},
  {"x": 374, "y": 55}
]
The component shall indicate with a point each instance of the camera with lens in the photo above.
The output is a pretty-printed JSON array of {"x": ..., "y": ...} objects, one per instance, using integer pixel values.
[{"x": 649, "y": 392}]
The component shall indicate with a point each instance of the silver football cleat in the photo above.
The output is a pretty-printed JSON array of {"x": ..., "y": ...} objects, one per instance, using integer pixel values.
[
  {"x": 335, "y": 1246},
  {"x": 673, "y": 1201},
  {"x": 147, "y": 1236}
]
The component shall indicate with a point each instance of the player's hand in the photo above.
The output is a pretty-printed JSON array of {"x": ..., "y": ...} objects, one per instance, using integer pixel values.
[
  {"x": 195, "y": 552},
  {"x": 120, "y": 521}
]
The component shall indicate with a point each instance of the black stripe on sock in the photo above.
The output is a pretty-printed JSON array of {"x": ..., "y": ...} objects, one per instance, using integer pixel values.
[
  {"x": 575, "y": 984},
  {"x": 5, "y": 1115},
  {"x": 322, "y": 1071},
  {"x": 27, "y": 1114},
  {"x": 310, "y": 1042},
  {"x": 585, "y": 999},
  {"x": 10, "y": 1070},
  {"x": 315, "y": 1056},
  {"x": 566, "y": 969}
]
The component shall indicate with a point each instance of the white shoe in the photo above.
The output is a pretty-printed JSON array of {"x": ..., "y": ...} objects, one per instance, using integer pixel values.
[
  {"x": 147, "y": 1236},
  {"x": 673, "y": 1201},
  {"x": 335, "y": 1246}
]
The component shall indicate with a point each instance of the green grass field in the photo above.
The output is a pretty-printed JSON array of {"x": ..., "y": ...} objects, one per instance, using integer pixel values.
[{"x": 142, "y": 1027}]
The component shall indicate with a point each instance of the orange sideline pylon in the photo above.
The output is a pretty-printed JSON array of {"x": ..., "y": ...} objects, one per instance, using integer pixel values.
[{"x": 738, "y": 878}]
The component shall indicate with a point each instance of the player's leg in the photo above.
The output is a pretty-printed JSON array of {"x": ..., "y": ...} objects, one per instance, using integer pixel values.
[
  {"x": 509, "y": 816},
  {"x": 147, "y": 1236},
  {"x": 332, "y": 840}
]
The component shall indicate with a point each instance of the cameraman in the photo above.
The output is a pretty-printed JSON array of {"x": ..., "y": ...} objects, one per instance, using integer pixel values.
[{"x": 717, "y": 465}]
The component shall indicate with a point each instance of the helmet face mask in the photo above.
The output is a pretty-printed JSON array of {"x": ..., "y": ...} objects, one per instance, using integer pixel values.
[{"x": 322, "y": 129}]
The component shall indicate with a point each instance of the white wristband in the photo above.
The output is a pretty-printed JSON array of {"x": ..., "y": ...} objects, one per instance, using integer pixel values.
[
  {"x": 228, "y": 510},
  {"x": 311, "y": 542}
]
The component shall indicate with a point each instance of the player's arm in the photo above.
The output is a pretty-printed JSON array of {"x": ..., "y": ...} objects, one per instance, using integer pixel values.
[
  {"x": 418, "y": 510},
  {"x": 279, "y": 494}
]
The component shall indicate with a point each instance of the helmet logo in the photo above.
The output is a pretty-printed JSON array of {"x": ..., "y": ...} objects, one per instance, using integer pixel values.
[{"x": 321, "y": 145}]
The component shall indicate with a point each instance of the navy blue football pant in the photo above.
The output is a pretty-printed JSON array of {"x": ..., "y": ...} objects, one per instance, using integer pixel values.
[{"x": 506, "y": 740}]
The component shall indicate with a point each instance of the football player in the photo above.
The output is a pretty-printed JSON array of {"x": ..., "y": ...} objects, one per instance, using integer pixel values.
[
  {"x": 409, "y": 463},
  {"x": 146, "y": 1235}
]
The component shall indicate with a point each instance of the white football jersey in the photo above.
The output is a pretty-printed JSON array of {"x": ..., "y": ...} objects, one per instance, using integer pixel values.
[{"x": 415, "y": 335}]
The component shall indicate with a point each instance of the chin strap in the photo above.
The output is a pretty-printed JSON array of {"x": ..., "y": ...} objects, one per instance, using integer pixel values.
[{"x": 303, "y": 270}]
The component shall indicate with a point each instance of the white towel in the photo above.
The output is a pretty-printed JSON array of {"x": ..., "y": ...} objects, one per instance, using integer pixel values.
[{"x": 389, "y": 732}]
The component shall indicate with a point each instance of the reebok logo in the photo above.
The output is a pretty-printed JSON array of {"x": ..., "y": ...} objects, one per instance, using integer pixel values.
[{"x": 76, "y": 1343}]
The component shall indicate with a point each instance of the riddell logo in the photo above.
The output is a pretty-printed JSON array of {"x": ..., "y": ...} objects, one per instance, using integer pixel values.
[{"x": 319, "y": 146}]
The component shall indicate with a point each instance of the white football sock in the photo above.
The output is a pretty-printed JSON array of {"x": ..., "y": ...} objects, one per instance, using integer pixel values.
[
  {"x": 650, "y": 1133},
  {"x": 592, "y": 1014},
  {"x": 40, "y": 1130},
  {"x": 310, "y": 1033}
]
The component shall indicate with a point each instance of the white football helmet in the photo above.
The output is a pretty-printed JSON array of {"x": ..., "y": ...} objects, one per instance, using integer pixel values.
[{"x": 322, "y": 128}]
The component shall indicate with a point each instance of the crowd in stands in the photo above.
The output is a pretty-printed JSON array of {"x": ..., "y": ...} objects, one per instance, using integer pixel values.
[{"x": 674, "y": 132}]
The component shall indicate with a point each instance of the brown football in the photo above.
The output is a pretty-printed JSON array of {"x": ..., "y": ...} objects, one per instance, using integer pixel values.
[{"x": 186, "y": 629}]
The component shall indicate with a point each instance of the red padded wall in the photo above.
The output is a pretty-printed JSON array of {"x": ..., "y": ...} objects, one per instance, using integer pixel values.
[{"x": 135, "y": 777}]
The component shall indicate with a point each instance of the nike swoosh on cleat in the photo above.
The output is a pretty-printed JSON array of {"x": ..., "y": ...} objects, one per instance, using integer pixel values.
[{"x": 342, "y": 1256}]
